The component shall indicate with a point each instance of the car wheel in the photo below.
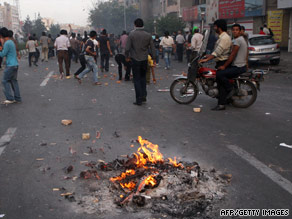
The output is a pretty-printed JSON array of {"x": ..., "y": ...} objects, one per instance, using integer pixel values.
[{"x": 275, "y": 61}]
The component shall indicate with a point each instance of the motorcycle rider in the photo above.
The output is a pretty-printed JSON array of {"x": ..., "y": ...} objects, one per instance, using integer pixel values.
[{"x": 232, "y": 68}]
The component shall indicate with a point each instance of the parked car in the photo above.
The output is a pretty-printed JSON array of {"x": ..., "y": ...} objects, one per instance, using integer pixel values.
[{"x": 263, "y": 48}]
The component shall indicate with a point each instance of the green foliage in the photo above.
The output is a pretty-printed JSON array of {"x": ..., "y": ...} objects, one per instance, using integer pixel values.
[
  {"x": 27, "y": 26},
  {"x": 110, "y": 15},
  {"x": 55, "y": 30},
  {"x": 38, "y": 27},
  {"x": 169, "y": 23}
]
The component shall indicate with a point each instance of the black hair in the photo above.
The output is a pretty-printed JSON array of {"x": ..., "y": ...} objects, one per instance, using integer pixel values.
[
  {"x": 265, "y": 25},
  {"x": 43, "y": 33},
  {"x": 10, "y": 33},
  {"x": 261, "y": 28},
  {"x": 124, "y": 32},
  {"x": 139, "y": 22},
  {"x": 63, "y": 32},
  {"x": 73, "y": 35},
  {"x": 243, "y": 28},
  {"x": 92, "y": 33},
  {"x": 166, "y": 34},
  {"x": 4, "y": 32},
  {"x": 50, "y": 36},
  {"x": 30, "y": 38},
  {"x": 103, "y": 32},
  {"x": 197, "y": 30},
  {"x": 236, "y": 25},
  {"x": 221, "y": 23}
]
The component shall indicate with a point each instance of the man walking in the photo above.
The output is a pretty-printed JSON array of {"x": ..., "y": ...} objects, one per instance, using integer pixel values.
[
  {"x": 44, "y": 41},
  {"x": 90, "y": 53},
  {"x": 105, "y": 51},
  {"x": 180, "y": 40},
  {"x": 123, "y": 41},
  {"x": 75, "y": 47},
  {"x": 62, "y": 44},
  {"x": 137, "y": 49},
  {"x": 9, "y": 80}
]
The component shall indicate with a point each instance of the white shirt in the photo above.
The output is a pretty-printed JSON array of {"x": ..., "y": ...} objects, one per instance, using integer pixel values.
[
  {"x": 180, "y": 39},
  {"x": 166, "y": 42},
  {"x": 266, "y": 31},
  {"x": 197, "y": 42},
  {"x": 62, "y": 43}
]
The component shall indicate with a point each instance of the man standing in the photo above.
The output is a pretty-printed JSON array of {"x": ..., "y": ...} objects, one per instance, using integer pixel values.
[
  {"x": 123, "y": 40},
  {"x": 137, "y": 48},
  {"x": 266, "y": 30},
  {"x": 9, "y": 80},
  {"x": 180, "y": 40},
  {"x": 105, "y": 51},
  {"x": 44, "y": 41},
  {"x": 197, "y": 42},
  {"x": 90, "y": 53},
  {"x": 75, "y": 46},
  {"x": 62, "y": 44}
]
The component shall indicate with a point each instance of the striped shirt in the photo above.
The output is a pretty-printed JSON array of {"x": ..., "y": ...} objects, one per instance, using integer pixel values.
[{"x": 223, "y": 47}]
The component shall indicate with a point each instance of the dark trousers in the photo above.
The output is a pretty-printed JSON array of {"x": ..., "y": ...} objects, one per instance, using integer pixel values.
[
  {"x": 75, "y": 55},
  {"x": 30, "y": 55},
  {"x": 223, "y": 77},
  {"x": 189, "y": 53},
  {"x": 83, "y": 65},
  {"x": 128, "y": 71},
  {"x": 1, "y": 59},
  {"x": 104, "y": 61},
  {"x": 139, "y": 76},
  {"x": 180, "y": 52},
  {"x": 63, "y": 56},
  {"x": 51, "y": 52}
]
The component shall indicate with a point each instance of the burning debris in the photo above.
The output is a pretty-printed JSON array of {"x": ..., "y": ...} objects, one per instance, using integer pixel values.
[{"x": 148, "y": 182}]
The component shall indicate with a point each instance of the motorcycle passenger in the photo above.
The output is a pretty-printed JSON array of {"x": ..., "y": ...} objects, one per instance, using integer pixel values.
[
  {"x": 223, "y": 44},
  {"x": 232, "y": 68}
]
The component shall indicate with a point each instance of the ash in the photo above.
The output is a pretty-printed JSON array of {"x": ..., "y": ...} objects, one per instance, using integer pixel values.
[{"x": 180, "y": 192}]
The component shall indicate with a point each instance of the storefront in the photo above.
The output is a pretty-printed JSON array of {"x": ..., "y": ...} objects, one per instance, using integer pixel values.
[
  {"x": 285, "y": 6},
  {"x": 194, "y": 16}
]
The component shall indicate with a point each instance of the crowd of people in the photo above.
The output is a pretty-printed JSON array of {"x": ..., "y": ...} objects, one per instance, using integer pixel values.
[{"x": 138, "y": 52}]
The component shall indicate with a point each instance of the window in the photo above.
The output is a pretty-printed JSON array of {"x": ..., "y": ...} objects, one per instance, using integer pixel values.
[{"x": 264, "y": 40}]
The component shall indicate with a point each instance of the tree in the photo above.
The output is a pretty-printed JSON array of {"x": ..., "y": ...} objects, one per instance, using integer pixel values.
[
  {"x": 55, "y": 30},
  {"x": 27, "y": 26},
  {"x": 38, "y": 27},
  {"x": 169, "y": 23},
  {"x": 110, "y": 15}
]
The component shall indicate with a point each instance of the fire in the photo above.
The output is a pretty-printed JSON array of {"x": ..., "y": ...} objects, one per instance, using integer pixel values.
[
  {"x": 150, "y": 181},
  {"x": 146, "y": 155}
]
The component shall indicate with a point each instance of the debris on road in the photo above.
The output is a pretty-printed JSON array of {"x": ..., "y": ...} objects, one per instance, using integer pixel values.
[
  {"x": 97, "y": 134},
  {"x": 197, "y": 110},
  {"x": 69, "y": 169},
  {"x": 118, "y": 82},
  {"x": 106, "y": 84},
  {"x": 2, "y": 215},
  {"x": 116, "y": 134},
  {"x": 226, "y": 177},
  {"x": 268, "y": 113},
  {"x": 93, "y": 100},
  {"x": 56, "y": 189},
  {"x": 72, "y": 151},
  {"x": 43, "y": 144},
  {"x": 286, "y": 145},
  {"x": 66, "y": 122},
  {"x": 163, "y": 90},
  {"x": 40, "y": 159},
  {"x": 85, "y": 136},
  {"x": 89, "y": 174}
]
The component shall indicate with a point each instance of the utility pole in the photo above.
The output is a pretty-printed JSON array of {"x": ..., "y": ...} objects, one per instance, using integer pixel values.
[{"x": 125, "y": 19}]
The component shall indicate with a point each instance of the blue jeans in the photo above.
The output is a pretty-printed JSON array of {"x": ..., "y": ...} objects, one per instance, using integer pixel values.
[
  {"x": 157, "y": 55},
  {"x": 9, "y": 82},
  {"x": 167, "y": 56},
  {"x": 90, "y": 66}
]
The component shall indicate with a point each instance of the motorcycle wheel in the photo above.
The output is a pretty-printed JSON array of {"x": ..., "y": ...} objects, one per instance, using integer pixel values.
[
  {"x": 183, "y": 91},
  {"x": 245, "y": 96}
]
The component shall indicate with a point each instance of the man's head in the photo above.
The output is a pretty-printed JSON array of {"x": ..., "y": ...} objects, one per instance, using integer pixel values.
[
  {"x": 43, "y": 33},
  {"x": 236, "y": 30},
  {"x": 10, "y": 33},
  {"x": 73, "y": 35},
  {"x": 220, "y": 26},
  {"x": 103, "y": 32},
  {"x": 30, "y": 38},
  {"x": 124, "y": 32},
  {"x": 93, "y": 34},
  {"x": 265, "y": 25},
  {"x": 179, "y": 32},
  {"x": 242, "y": 29},
  {"x": 4, "y": 32},
  {"x": 139, "y": 23},
  {"x": 63, "y": 32},
  {"x": 261, "y": 28}
]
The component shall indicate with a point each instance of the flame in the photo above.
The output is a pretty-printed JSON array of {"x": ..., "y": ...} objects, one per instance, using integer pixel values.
[
  {"x": 174, "y": 162},
  {"x": 150, "y": 181}
]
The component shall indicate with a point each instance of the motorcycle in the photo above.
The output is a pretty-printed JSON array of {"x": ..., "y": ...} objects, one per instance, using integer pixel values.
[{"x": 185, "y": 89}]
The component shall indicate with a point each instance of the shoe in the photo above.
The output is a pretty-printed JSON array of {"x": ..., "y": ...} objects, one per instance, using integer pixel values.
[
  {"x": 165, "y": 68},
  {"x": 68, "y": 77},
  {"x": 127, "y": 79},
  {"x": 219, "y": 108},
  {"x": 79, "y": 80},
  {"x": 8, "y": 102},
  {"x": 17, "y": 101},
  {"x": 97, "y": 83},
  {"x": 137, "y": 104},
  {"x": 61, "y": 76},
  {"x": 36, "y": 65},
  {"x": 230, "y": 94},
  {"x": 144, "y": 99},
  {"x": 120, "y": 79}
]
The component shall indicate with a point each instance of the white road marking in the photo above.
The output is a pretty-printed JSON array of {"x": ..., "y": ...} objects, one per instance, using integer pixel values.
[
  {"x": 6, "y": 138},
  {"x": 274, "y": 176},
  {"x": 44, "y": 83}
]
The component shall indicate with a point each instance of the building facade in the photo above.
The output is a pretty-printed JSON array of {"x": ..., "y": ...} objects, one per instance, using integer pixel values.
[{"x": 9, "y": 17}]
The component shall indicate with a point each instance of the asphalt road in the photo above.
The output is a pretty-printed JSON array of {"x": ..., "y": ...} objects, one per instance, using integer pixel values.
[{"x": 242, "y": 142}]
